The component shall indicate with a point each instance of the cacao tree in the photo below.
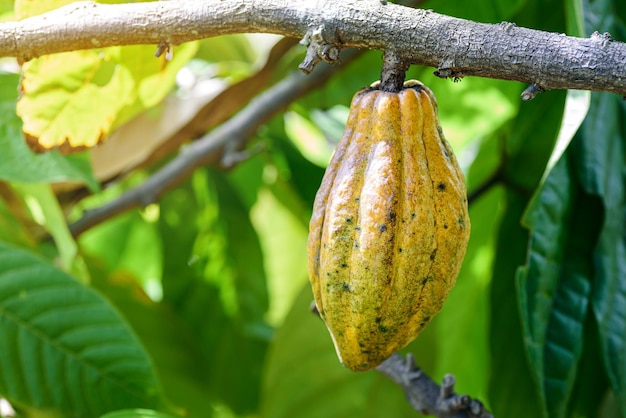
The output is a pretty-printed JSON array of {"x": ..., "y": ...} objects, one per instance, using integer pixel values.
[{"x": 159, "y": 163}]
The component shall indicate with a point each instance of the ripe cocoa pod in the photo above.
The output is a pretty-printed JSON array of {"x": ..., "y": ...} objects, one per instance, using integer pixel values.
[{"x": 389, "y": 227}]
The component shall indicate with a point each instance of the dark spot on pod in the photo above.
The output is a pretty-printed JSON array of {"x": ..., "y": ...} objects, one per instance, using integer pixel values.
[
  {"x": 345, "y": 286},
  {"x": 383, "y": 328},
  {"x": 413, "y": 216},
  {"x": 344, "y": 265},
  {"x": 348, "y": 220},
  {"x": 426, "y": 280},
  {"x": 441, "y": 186},
  {"x": 358, "y": 228},
  {"x": 433, "y": 254},
  {"x": 378, "y": 319},
  {"x": 399, "y": 250},
  {"x": 383, "y": 228},
  {"x": 324, "y": 245},
  {"x": 392, "y": 216},
  {"x": 361, "y": 345},
  {"x": 462, "y": 222},
  {"x": 445, "y": 226},
  {"x": 424, "y": 322}
]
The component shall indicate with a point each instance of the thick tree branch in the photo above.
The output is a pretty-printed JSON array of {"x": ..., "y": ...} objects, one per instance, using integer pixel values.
[{"x": 456, "y": 47}]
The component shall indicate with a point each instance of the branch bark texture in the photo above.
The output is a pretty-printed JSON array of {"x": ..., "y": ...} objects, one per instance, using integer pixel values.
[
  {"x": 456, "y": 47},
  {"x": 425, "y": 395}
]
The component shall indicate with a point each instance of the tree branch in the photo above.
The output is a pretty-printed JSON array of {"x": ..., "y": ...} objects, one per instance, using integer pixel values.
[
  {"x": 425, "y": 395},
  {"x": 220, "y": 146},
  {"x": 456, "y": 47}
]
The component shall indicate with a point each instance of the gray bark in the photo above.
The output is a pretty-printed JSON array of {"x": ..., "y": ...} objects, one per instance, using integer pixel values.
[{"x": 456, "y": 47}]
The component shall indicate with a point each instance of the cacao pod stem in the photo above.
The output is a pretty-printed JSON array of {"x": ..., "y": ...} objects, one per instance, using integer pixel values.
[{"x": 393, "y": 72}]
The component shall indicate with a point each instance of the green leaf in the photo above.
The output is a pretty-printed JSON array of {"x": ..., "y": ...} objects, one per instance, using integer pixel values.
[
  {"x": 137, "y": 413},
  {"x": 592, "y": 384},
  {"x": 129, "y": 243},
  {"x": 556, "y": 282},
  {"x": 512, "y": 391},
  {"x": 65, "y": 347},
  {"x": 600, "y": 164},
  {"x": 308, "y": 138},
  {"x": 304, "y": 378},
  {"x": 173, "y": 346},
  {"x": 530, "y": 144},
  {"x": 601, "y": 158},
  {"x": 214, "y": 279}
]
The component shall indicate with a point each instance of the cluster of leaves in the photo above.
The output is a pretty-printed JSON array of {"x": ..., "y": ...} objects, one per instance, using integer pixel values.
[{"x": 198, "y": 305}]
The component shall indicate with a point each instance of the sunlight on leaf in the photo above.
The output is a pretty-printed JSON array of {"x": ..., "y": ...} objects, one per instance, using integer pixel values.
[
  {"x": 308, "y": 138},
  {"x": 72, "y": 107}
]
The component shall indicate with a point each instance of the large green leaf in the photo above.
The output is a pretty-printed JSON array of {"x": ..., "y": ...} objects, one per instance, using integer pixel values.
[
  {"x": 512, "y": 392},
  {"x": 555, "y": 284},
  {"x": 600, "y": 159},
  {"x": 64, "y": 347},
  {"x": 601, "y": 167},
  {"x": 129, "y": 243},
  {"x": 214, "y": 279},
  {"x": 304, "y": 378},
  {"x": 171, "y": 343}
]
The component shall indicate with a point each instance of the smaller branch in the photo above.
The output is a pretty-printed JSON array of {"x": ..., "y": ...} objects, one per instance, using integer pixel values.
[
  {"x": 531, "y": 91},
  {"x": 220, "y": 146},
  {"x": 426, "y": 396},
  {"x": 393, "y": 72},
  {"x": 322, "y": 45},
  {"x": 495, "y": 178}
]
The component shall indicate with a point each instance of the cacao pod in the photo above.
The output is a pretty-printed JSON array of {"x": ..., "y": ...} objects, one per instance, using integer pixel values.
[{"x": 389, "y": 227}]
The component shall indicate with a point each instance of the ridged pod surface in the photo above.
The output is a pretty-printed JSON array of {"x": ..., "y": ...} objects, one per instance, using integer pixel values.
[{"x": 389, "y": 227}]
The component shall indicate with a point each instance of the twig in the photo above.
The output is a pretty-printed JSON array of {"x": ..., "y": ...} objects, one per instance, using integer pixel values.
[
  {"x": 215, "y": 147},
  {"x": 494, "y": 179},
  {"x": 456, "y": 47},
  {"x": 426, "y": 396}
]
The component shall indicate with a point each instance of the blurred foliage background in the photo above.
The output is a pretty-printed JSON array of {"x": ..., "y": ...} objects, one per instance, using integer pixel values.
[{"x": 198, "y": 305}]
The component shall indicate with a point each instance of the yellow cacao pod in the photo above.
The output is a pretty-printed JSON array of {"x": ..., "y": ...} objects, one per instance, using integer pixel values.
[{"x": 390, "y": 225}]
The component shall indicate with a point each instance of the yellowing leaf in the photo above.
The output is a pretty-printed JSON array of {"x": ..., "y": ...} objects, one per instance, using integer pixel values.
[
  {"x": 70, "y": 100},
  {"x": 73, "y": 100}
]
